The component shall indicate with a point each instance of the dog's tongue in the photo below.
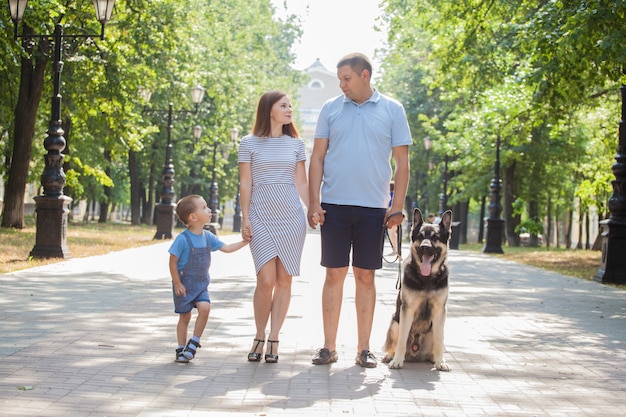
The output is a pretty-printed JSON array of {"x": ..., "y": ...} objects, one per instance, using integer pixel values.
[{"x": 426, "y": 265}]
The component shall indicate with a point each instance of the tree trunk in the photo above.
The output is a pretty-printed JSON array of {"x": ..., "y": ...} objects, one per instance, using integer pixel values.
[
  {"x": 150, "y": 201},
  {"x": 106, "y": 201},
  {"x": 533, "y": 214},
  {"x": 587, "y": 238},
  {"x": 581, "y": 214},
  {"x": 557, "y": 229},
  {"x": 135, "y": 196},
  {"x": 31, "y": 88},
  {"x": 510, "y": 220},
  {"x": 481, "y": 220},
  {"x": 597, "y": 243},
  {"x": 548, "y": 234},
  {"x": 569, "y": 216},
  {"x": 86, "y": 215},
  {"x": 462, "y": 208}
]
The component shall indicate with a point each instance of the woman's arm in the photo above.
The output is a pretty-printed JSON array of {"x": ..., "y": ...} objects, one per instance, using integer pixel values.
[{"x": 245, "y": 196}]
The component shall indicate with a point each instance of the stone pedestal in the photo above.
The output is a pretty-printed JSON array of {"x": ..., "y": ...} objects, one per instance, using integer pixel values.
[
  {"x": 51, "y": 236},
  {"x": 495, "y": 228},
  {"x": 613, "y": 266},
  {"x": 164, "y": 213}
]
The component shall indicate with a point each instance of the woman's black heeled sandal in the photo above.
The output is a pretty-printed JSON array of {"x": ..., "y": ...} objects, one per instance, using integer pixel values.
[
  {"x": 254, "y": 356},
  {"x": 271, "y": 357}
]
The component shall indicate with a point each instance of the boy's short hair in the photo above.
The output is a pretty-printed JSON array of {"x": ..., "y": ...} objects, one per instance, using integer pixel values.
[{"x": 186, "y": 206}]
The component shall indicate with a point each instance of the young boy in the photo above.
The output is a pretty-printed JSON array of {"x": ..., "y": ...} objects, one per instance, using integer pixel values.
[{"x": 190, "y": 258}]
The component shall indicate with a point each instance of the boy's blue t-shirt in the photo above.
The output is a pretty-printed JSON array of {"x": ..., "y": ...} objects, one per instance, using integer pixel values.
[{"x": 180, "y": 248}]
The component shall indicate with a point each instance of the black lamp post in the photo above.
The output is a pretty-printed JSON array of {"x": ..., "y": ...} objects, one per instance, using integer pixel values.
[
  {"x": 428, "y": 144},
  {"x": 495, "y": 224},
  {"x": 214, "y": 198},
  {"x": 443, "y": 198},
  {"x": 234, "y": 136},
  {"x": 165, "y": 208},
  {"x": 53, "y": 207},
  {"x": 613, "y": 267}
]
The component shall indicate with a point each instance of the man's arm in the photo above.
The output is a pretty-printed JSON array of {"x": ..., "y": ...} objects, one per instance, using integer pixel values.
[{"x": 401, "y": 180}]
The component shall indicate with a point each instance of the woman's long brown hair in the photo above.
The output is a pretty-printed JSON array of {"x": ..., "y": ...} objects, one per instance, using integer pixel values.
[{"x": 262, "y": 125}]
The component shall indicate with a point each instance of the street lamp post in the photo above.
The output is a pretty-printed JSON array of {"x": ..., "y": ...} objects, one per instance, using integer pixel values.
[
  {"x": 214, "y": 197},
  {"x": 495, "y": 224},
  {"x": 234, "y": 136},
  {"x": 52, "y": 207},
  {"x": 428, "y": 143},
  {"x": 164, "y": 209},
  {"x": 443, "y": 198},
  {"x": 613, "y": 266}
]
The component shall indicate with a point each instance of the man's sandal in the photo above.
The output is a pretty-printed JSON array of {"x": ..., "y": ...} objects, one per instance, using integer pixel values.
[{"x": 254, "y": 356}]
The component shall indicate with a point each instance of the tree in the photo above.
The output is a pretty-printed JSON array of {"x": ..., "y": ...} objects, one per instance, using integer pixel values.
[
  {"x": 199, "y": 43},
  {"x": 521, "y": 71}
]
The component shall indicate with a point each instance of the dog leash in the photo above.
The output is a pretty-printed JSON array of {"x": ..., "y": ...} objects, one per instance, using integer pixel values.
[{"x": 398, "y": 245}]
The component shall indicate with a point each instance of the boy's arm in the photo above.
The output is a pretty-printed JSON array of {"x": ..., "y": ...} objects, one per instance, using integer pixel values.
[
  {"x": 179, "y": 288},
  {"x": 232, "y": 247}
]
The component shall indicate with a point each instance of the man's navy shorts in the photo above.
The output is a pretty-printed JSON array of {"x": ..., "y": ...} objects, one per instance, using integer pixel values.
[{"x": 352, "y": 229}]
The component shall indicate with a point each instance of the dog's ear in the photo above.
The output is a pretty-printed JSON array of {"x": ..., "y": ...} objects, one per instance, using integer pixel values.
[
  {"x": 446, "y": 220},
  {"x": 418, "y": 218}
]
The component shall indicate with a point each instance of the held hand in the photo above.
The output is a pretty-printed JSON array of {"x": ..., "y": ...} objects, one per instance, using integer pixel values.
[
  {"x": 393, "y": 219},
  {"x": 316, "y": 217},
  {"x": 246, "y": 231}
]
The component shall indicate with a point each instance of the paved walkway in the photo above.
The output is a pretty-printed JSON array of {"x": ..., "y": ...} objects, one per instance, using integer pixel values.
[{"x": 96, "y": 337}]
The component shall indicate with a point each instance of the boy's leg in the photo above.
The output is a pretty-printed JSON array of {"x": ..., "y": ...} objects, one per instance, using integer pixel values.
[
  {"x": 203, "y": 307},
  {"x": 181, "y": 336},
  {"x": 182, "y": 328}
]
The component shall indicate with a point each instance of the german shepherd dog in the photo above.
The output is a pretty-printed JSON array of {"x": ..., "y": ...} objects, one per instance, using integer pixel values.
[{"x": 416, "y": 330}]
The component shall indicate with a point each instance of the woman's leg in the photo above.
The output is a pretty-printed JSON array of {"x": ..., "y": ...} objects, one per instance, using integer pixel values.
[
  {"x": 262, "y": 300},
  {"x": 280, "y": 302}
]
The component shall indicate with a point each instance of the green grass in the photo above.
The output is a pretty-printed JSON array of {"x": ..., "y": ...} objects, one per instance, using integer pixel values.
[
  {"x": 576, "y": 263},
  {"x": 83, "y": 239}
]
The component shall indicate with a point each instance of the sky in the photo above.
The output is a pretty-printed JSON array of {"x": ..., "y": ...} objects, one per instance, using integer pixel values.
[{"x": 334, "y": 28}]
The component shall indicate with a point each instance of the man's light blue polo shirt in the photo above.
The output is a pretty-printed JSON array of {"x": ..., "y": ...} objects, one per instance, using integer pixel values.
[{"x": 357, "y": 166}]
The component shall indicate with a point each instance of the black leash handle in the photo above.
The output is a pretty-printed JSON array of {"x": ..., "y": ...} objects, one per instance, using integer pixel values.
[{"x": 398, "y": 243}]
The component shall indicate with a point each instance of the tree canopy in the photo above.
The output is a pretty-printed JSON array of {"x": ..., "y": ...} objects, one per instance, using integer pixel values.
[
  {"x": 542, "y": 76},
  {"x": 235, "y": 50}
]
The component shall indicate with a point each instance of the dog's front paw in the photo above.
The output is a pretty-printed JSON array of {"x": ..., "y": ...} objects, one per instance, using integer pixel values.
[
  {"x": 441, "y": 366},
  {"x": 387, "y": 359},
  {"x": 396, "y": 363}
]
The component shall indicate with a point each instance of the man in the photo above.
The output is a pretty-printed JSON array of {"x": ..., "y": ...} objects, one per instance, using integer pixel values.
[{"x": 356, "y": 137}]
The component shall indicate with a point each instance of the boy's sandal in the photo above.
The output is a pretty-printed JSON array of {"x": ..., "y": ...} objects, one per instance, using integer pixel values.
[
  {"x": 271, "y": 357},
  {"x": 254, "y": 356},
  {"x": 191, "y": 353},
  {"x": 180, "y": 357}
]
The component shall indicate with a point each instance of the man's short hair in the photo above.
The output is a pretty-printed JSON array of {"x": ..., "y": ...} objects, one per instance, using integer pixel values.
[{"x": 357, "y": 61}]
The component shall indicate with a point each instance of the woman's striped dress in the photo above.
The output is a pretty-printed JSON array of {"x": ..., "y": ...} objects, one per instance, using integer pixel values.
[{"x": 276, "y": 213}]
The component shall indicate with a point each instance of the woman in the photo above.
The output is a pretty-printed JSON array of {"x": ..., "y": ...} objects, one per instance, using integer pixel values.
[{"x": 272, "y": 184}]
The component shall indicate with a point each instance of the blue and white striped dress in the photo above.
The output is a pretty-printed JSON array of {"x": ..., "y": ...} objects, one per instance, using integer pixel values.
[{"x": 276, "y": 214}]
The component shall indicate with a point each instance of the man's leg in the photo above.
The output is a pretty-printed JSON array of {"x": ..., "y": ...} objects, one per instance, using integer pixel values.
[
  {"x": 332, "y": 297},
  {"x": 365, "y": 301}
]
